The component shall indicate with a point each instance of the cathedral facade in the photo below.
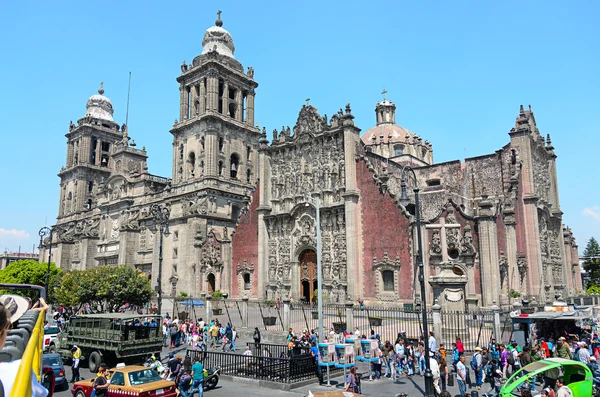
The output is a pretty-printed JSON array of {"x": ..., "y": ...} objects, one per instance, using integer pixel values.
[{"x": 243, "y": 209}]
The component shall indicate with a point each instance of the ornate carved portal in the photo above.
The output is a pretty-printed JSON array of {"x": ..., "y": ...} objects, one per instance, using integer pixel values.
[{"x": 308, "y": 275}]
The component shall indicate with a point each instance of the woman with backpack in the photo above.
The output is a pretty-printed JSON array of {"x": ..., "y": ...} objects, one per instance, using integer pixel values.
[{"x": 184, "y": 379}]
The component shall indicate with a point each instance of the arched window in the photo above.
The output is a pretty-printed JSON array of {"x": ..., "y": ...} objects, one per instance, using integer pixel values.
[
  {"x": 235, "y": 163},
  {"x": 388, "y": 280},
  {"x": 220, "y": 144},
  {"x": 398, "y": 150},
  {"x": 220, "y": 168},
  {"x": 247, "y": 283},
  {"x": 192, "y": 163}
]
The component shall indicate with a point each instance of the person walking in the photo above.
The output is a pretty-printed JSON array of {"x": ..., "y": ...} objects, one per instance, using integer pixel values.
[
  {"x": 197, "y": 378},
  {"x": 352, "y": 381},
  {"x": 76, "y": 352},
  {"x": 101, "y": 382},
  {"x": 183, "y": 377},
  {"x": 314, "y": 351},
  {"x": 461, "y": 372},
  {"x": 233, "y": 339},
  {"x": 256, "y": 337},
  {"x": 476, "y": 365},
  {"x": 443, "y": 372},
  {"x": 432, "y": 343},
  {"x": 435, "y": 370}
]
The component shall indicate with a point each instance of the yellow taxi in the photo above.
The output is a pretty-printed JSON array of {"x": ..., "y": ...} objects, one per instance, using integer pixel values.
[{"x": 129, "y": 381}]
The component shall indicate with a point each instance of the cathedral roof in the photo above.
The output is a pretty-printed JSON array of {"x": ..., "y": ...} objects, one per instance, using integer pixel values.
[
  {"x": 218, "y": 39},
  {"x": 391, "y": 132},
  {"x": 99, "y": 106}
]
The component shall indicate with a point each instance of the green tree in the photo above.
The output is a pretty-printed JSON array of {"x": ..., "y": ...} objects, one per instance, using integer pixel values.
[
  {"x": 107, "y": 286},
  {"x": 29, "y": 271},
  {"x": 591, "y": 262}
]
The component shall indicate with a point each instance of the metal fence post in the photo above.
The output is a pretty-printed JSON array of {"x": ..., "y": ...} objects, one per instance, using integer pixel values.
[
  {"x": 286, "y": 313},
  {"x": 581, "y": 302},
  {"x": 209, "y": 309},
  {"x": 245, "y": 312},
  {"x": 497, "y": 324},
  {"x": 437, "y": 321},
  {"x": 349, "y": 316}
]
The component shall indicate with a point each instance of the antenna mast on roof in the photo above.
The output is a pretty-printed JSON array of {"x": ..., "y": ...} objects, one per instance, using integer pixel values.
[{"x": 128, "y": 92}]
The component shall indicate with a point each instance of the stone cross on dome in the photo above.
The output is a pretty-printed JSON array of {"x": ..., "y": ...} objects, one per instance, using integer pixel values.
[
  {"x": 101, "y": 89},
  {"x": 384, "y": 92},
  {"x": 219, "y": 22},
  {"x": 307, "y": 100}
]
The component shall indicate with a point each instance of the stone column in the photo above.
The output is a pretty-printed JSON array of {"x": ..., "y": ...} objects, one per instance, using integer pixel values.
[
  {"x": 352, "y": 212},
  {"x": 226, "y": 272},
  {"x": 70, "y": 154},
  {"x": 511, "y": 251},
  {"x": 186, "y": 102},
  {"x": 193, "y": 98},
  {"x": 264, "y": 169},
  {"x": 245, "y": 312},
  {"x": 488, "y": 249},
  {"x": 212, "y": 83},
  {"x": 181, "y": 103},
  {"x": 225, "y": 99},
  {"x": 202, "y": 96},
  {"x": 209, "y": 313},
  {"x": 240, "y": 105},
  {"x": 211, "y": 143},
  {"x": 350, "y": 316},
  {"x": 437, "y": 320},
  {"x": 286, "y": 313},
  {"x": 497, "y": 323},
  {"x": 250, "y": 108}
]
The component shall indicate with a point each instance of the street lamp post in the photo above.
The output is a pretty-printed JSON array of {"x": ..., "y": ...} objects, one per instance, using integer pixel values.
[
  {"x": 160, "y": 218},
  {"x": 317, "y": 205},
  {"x": 404, "y": 200},
  {"x": 44, "y": 233}
]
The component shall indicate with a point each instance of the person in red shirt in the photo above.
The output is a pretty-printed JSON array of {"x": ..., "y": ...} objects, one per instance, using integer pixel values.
[
  {"x": 545, "y": 347},
  {"x": 459, "y": 345}
]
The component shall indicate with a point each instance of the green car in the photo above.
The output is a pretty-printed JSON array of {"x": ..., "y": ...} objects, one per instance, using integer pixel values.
[{"x": 577, "y": 376}]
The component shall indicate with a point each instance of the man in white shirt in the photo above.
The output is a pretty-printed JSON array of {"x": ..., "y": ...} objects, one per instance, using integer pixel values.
[
  {"x": 432, "y": 342},
  {"x": 435, "y": 370},
  {"x": 461, "y": 376}
]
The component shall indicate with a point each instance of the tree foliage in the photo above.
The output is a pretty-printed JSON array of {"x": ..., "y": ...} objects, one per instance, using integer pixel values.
[
  {"x": 107, "y": 286},
  {"x": 591, "y": 262},
  {"x": 29, "y": 271}
]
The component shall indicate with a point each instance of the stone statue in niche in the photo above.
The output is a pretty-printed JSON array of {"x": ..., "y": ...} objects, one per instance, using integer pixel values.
[
  {"x": 466, "y": 244},
  {"x": 436, "y": 244},
  {"x": 451, "y": 218},
  {"x": 503, "y": 265}
]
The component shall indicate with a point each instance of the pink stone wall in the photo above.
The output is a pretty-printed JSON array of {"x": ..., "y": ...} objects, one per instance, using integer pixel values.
[
  {"x": 384, "y": 229},
  {"x": 245, "y": 246}
]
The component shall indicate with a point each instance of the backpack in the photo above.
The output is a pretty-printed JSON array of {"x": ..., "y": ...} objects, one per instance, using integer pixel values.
[
  {"x": 489, "y": 371},
  {"x": 510, "y": 359},
  {"x": 474, "y": 362}
]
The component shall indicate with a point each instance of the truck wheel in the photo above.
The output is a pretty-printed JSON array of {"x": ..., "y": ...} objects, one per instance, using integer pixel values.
[
  {"x": 52, "y": 349},
  {"x": 94, "y": 361}
]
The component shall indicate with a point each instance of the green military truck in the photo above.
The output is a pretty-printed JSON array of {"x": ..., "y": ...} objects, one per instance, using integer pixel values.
[{"x": 110, "y": 338}]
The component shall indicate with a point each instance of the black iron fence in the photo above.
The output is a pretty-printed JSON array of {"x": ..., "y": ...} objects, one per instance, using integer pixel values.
[
  {"x": 273, "y": 369},
  {"x": 278, "y": 351},
  {"x": 473, "y": 328},
  {"x": 389, "y": 322}
]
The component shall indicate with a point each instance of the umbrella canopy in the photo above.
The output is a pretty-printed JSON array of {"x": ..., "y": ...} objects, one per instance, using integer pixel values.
[{"x": 192, "y": 302}]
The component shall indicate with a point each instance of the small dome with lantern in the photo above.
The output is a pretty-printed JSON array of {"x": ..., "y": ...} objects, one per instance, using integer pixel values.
[
  {"x": 218, "y": 39},
  {"x": 392, "y": 141},
  {"x": 99, "y": 106}
]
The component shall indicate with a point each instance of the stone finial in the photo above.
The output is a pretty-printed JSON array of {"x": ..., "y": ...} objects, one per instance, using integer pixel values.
[
  {"x": 521, "y": 110},
  {"x": 548, "y": 141},
  {"x": 101, "y": 89},
  {"x": 348, "y": 110}
]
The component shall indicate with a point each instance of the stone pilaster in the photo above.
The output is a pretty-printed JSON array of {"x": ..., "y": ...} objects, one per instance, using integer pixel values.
[
  {"x": 212, "y": 86},
  {"x": 352, "y": 213},
  {"x": 193, "y": 98},
  {"x": 225, "y": 98},
  {"x": 511, "y": 251},
  {"x": 181, "y": 103},
  {"x": 250, "y": 109},
  {"x": 488, "y": 253},
  {"x": 211, "y": 146},
  {"x": 202, "y": 97}
]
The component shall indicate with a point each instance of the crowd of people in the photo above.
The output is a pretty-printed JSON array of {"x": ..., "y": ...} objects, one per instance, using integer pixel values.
[{"x": 200, "y": 335}]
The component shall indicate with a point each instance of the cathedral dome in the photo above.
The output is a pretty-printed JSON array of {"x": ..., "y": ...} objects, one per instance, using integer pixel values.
[
  {"x": 392, "y": 133},
  {"x": 218, "y": 39},
  {"x": 99, "y": 106}
]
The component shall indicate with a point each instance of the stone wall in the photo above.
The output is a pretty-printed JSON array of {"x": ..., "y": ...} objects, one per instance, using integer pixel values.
[
  {"x": 385, "y": 229},
  {"x": 245, "y": 249}
]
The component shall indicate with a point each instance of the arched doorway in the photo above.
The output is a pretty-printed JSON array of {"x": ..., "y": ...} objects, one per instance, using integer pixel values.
[
  {"x": 211, "y": 283},
  {"x": 308, "y": 275}
]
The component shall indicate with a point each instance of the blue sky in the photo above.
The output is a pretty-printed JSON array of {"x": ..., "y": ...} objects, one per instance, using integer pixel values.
[{"x": 457, "y": 71}]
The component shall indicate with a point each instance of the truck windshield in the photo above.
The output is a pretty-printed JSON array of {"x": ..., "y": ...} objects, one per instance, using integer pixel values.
[{"x": 143, "y": 376}]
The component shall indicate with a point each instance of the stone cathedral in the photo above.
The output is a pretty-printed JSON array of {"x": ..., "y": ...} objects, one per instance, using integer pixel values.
[{"x": 243, "y": 208}]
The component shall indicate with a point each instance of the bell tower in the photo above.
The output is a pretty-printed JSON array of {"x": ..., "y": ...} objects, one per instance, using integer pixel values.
[
  {"x": 90, "y": 144},
  {"x": 215, "y": 138}
]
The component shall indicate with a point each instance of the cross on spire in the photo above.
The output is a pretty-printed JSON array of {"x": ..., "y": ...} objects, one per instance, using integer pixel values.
[
  {"x": 219, "y": 14},
  {"x": 307, "y": 100},
  {"x": 384, "y": 92}
]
